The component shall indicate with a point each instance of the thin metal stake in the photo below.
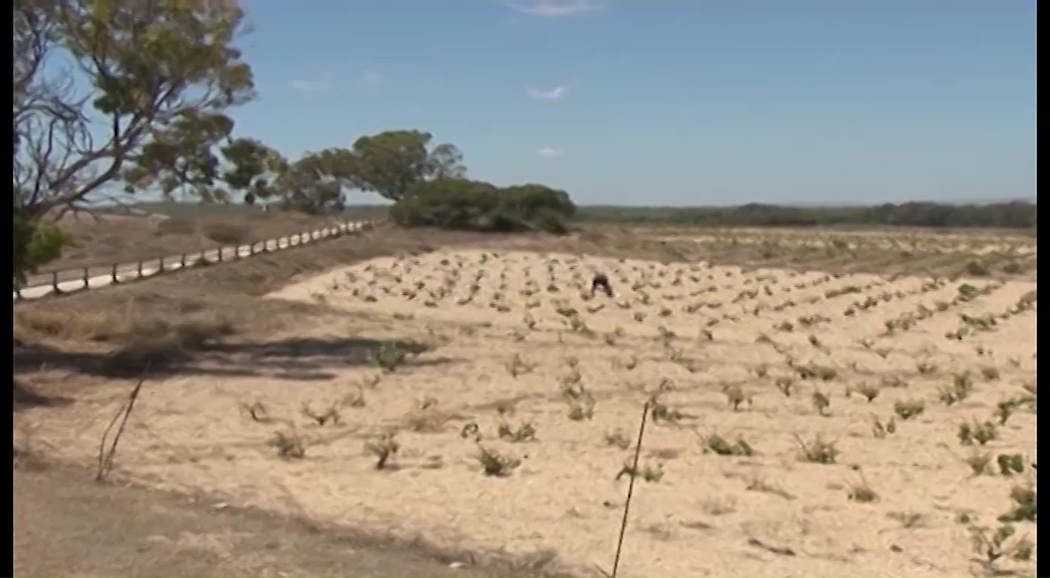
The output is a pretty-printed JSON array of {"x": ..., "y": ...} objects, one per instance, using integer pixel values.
[{"x": 630, "y": 491}]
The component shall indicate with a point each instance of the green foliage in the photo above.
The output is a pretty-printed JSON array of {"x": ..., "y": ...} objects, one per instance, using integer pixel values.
[
  {"x": 155, "y": 78},
  {"x": 315, "y": 183},
  {"x": 252, "y": 168},
  {"x": 532, "y": 199},
  {"x": 1019, "y": 215},
  {"x": 392, "y": 162},
  {"x": 479, "y": 206},
  {"x": 35, "y": 244}
]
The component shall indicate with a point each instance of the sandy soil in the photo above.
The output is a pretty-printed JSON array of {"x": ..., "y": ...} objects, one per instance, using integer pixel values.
[
  {"x": 973, "y": 244},
  {"x": 67, "y": 525},
  {"x": 515, "y": 340}
]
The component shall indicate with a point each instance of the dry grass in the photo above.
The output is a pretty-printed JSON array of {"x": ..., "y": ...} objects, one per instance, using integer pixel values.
[
  {"x": 105, "y": 239},
  {"x": 156, "y": 323},
  {"x": 775, "y": 389}
]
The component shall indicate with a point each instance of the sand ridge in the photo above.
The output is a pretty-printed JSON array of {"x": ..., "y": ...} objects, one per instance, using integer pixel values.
[{"x": 517, "y": 339}]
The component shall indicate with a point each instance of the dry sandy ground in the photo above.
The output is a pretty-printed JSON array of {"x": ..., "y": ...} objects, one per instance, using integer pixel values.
[
  {"x": 67, "y": 525},
  {"x": 1005, "y": 245},
  {"x": 515, "y": 340}
]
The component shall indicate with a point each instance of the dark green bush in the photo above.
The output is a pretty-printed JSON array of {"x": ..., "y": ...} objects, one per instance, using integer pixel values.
[
  {"x": 478, "y": 206},
  {"x": 550, "y": 221}
]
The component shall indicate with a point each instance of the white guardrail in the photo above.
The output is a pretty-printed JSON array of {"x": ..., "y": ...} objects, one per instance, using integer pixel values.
[{"x": 76, "y": 279}]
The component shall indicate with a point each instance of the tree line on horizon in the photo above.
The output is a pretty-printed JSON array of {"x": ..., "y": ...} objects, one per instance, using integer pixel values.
[{"x": 1006, "y": 215}]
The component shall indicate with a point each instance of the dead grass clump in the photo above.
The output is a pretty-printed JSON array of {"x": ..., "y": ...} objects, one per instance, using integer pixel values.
[
  {"x": 867, "y": 390},
  {"x": 821, "y": 402},
  {"x": 908, "y": 520},
  {"x": 993, "y": 546},
  {"x": 959, "y": 390},
  {"x": 979, "y": 432},
  {"x": 580, "y": 401},
  {"x": 383, "y": 448},
  {"x": 736, "y": 396},
  {"x": 429, "y": 420},
  {"x": 980, "y": 463},
  {"x": 1023, "y": 507},
  {"x": 525, "y": 432},
  {"x": 618, "y": 438},
  {"x": 176, "y": 226},
  {"x": 758, "y": 484},
  {"x": 162, "y": 345},
  {"x": 124, "y": 326},
  {"x": 646, "y": 473},
  {"x": 786, "y": 385},
  {"x": 289, "y": 445},
  {"x": 494, "y": 463},
  {"x": 1006, "y": 408},
  {"x": 908, "y": 409},
  {"x": 133, "y": 338},
  {"x": 228, "y": 233},
  {"x": 389, "y": 356},
  {"x": 720, "y": 446},
  {"x": 1010, "y": 464},
  {"x": 256, "y": 411},
  {"x": 819, "y": 451},
  {"x": 881, "y": 430},
  {"x": 860, "y": 491},
  {"x": 329, "y": 416}
]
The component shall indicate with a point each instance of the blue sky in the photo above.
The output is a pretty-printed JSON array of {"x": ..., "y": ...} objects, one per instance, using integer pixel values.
[{"x": 668, "y": 102}]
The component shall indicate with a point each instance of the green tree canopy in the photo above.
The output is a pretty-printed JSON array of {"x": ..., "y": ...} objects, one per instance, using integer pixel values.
[
  {"x": 479, "y": 206},
  {"x": 107, "y": 91},
  {"x": 317, "y": 181},
  {"x": 34, "y": 245},
  {"x": 252, "y": 169},
  {"x": 114, "y": 93},
  {"x": 391, "y": 162}
]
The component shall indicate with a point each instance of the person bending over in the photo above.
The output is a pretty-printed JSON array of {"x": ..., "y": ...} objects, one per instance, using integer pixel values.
[{"x": 601, "y": 281}]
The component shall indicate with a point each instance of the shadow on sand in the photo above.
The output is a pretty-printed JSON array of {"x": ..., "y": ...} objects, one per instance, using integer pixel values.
[
  {"x": 295, "y": 359},
  {"x": 25, "y": 397}
]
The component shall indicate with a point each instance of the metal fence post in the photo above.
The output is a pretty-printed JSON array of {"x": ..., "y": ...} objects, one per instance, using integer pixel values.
[{"x": 87, "y": 279}]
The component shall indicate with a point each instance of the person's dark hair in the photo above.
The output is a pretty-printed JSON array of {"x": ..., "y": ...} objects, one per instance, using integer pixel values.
[{"x": 601, "y": 281}]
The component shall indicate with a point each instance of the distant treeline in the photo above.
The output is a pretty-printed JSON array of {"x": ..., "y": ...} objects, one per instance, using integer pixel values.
[{"x": 1012, "y": 215}]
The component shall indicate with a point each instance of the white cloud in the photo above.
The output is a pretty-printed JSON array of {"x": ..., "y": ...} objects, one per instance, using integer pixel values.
[
  {"x": 555, "y": 93},
  {"x": 555, "y": 8},
  {"x": 550, "y": 152},
  {"x": 315, "y": 85},
  {"x": 371, "y": 78}
]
